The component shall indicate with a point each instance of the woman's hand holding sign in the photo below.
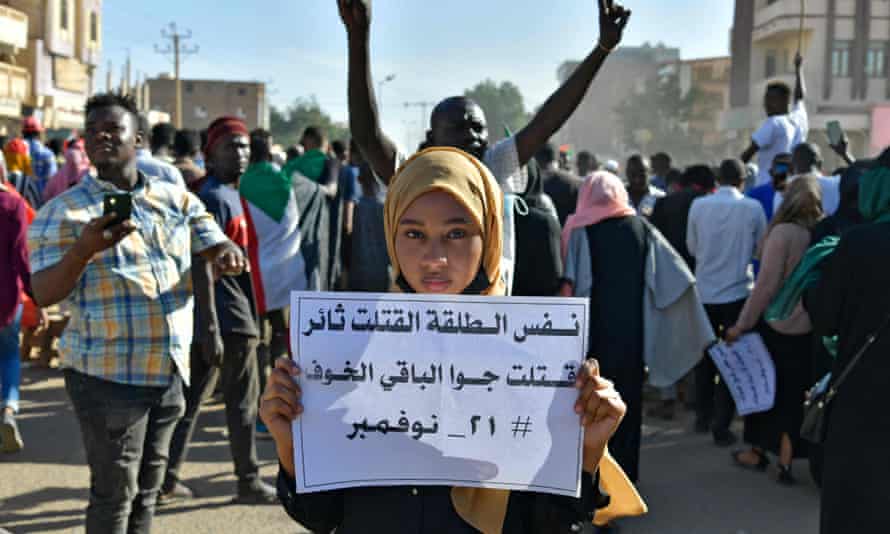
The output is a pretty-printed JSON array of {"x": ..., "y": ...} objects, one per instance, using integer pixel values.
[
  {"x": 601, "y": 409},
  {"x": 280, "y": 405}
]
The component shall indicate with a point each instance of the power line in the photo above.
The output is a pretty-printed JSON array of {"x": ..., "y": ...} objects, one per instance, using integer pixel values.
[{"x": 178, "y": 50}]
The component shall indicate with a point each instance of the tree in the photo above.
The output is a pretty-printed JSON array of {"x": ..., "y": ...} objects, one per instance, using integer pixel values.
[
  {"x": 663, "y": 119},
  {"x": 287, "y": 125},
  {"x": 503, "y": 106}
]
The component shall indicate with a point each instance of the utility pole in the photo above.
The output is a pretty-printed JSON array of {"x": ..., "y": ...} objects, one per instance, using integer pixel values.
[
  {"x": 178, "y": 51},
  {"x": 424, "y": 113}
]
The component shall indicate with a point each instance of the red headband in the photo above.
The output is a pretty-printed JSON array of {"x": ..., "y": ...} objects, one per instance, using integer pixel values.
[{"x": 222, "y": 127}]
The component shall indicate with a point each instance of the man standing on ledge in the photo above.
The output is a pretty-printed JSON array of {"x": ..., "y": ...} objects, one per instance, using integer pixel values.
[{"x": 127, "y": 285}]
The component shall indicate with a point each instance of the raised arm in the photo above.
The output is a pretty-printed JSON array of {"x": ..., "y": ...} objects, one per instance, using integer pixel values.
[
  {"x": 800, "y": 89},
  {"x": 559, "y": 107},
  {"x": 364, "y": 118}
]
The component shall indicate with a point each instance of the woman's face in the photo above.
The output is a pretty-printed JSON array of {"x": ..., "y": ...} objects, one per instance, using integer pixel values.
[{"x": 438, "y": 244}]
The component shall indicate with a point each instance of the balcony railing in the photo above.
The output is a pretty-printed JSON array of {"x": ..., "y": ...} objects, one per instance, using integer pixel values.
[
  {"x": 13, "y": 27},
  {"x": 15, "y": 82}
]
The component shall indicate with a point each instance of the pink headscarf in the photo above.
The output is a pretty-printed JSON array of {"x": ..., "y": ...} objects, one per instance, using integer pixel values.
[
  {"x": 602, "y": 196},
  {"x": 77, "y": 165}
]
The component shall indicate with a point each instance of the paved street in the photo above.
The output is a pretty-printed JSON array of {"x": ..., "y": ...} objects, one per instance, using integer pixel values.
[{"x": 690, "y": 486}]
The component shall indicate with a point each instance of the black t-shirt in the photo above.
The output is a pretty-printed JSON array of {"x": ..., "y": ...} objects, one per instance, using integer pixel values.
[{"x": 235, "y": 302}]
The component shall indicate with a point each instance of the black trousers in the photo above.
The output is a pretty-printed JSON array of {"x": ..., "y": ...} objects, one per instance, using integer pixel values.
[
  {"x": 713, "y": 403},
  {"x": 241, "y": 390}
]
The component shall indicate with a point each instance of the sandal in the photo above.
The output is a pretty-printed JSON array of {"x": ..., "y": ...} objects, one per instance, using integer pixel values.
[{"x": 760, "y": 466}]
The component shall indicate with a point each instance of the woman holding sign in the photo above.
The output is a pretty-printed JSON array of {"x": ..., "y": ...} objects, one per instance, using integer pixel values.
[
  {"x": 789, "y": 340},
  {"x": 443, "y": 232}
]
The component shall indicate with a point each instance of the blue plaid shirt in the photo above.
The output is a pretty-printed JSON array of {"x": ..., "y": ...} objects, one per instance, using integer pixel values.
[
  {"x": 43, "y": 162},
  {"x": 131, "y": 310}
]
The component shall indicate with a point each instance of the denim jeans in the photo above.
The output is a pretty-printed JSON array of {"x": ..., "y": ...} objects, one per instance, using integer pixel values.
[
  {"x": 240, "y": 386},
  {"x": 126, "y": 432},
  {"x": 10, "y": 364}
]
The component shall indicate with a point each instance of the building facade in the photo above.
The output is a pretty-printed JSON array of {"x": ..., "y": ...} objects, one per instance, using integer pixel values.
[
  {"x": 845, "y": 44},
  {"x": 594, "y": 125},
  {"x": 709, "y": 78},
  {"x": 205, "y": 100},
  {"x": 49, "y": 51}
]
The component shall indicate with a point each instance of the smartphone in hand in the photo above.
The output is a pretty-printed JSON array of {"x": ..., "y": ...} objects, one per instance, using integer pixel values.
[
  {"x": 120, "y": 204},
  {"x": 835, "y": 132}
]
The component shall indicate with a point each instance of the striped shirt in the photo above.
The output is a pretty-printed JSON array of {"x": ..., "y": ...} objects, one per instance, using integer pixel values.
[{"x": 131, "y": 309}]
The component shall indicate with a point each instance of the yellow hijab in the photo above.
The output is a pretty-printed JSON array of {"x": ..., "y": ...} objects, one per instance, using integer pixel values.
[
  {"x": 466, "y": 179},
  {"x": 472, "y": 184}
]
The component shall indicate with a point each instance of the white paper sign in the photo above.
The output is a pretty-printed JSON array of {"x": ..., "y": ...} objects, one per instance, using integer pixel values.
[
  {"x": 749, "y": 373},
  {"x": 438, "y": 390}
]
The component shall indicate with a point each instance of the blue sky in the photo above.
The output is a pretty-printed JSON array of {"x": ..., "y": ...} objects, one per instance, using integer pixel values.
[{"x": 435, "y": 48}]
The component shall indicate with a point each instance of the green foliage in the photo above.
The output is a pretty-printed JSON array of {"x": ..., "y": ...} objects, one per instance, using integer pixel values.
[
  {"x": 503, "y": 106},
  {"x": 287, "y": 124},
  {"x": 661, "y": 118}
]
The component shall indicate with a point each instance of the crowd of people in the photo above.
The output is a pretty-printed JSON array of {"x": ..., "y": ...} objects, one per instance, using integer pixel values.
[{"x": 188, "y": 292}]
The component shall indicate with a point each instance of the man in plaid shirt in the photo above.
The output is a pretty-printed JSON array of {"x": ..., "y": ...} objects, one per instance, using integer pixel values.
[{"x": 128, "y": 287}]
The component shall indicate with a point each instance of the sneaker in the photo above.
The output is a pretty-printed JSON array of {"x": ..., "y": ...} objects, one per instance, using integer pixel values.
[
  {"x": 256, "y": 492},
  {"x": 179, "y": 492},
  {"x": 262, "y": 432},
  {"x": 10, "y": 437}
]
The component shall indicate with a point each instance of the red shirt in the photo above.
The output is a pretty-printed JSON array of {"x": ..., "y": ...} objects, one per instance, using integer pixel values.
[{"x": 15, "y": 274}]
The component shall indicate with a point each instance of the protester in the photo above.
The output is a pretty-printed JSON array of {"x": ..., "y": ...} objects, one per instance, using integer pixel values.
[
  {"x": 150, "y": 165},
  {"x": 787, "y": 340},
  {"x": 642, "y": 194},
  {"x": 770, "y": 193},
  {"x": 130, "y": 297},
  {"x": 671, "y": 213},
  {"x": 318, "y": 167},
  {"x": 785, "y": 126},
  {"x": 162, "y": 139},
  {"x": 661, "y": 166},
  {"x": 850, "y": 301},
  {"x": 560, "y": 186},
  {"x": 847, "y": 215},
  {"x": 538, "y": 258},
  {"x": 76, "y": 166},
  {"x": 43, "y": 161},
  {"x": 370, "y": 269},
  {"x": 459, "y": 122},
  {"x": 350, "y": 192},
  {"x": 670, "y": 216},
  {"x": 586, "y": 163},
  {"x": 806, "y": 158},
  {"x": 227, "y": 152},
  {"x": 426, "y": 198},
  {"x": 15, "y": 278},
  {"x": 724, "y": 231},
  {"x": 19, "y": 172},
  {"x": 293, "y": 152},
  {"x": 611, "y": 256},
  {"x": 185, "y": 150}
]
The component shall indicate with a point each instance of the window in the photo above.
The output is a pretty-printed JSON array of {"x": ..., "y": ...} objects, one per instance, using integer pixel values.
[
  {"x": 242, "y": 91},
  {"x": 94, "y": 27},
  {"x": 189, "y": 87},
  {"x": 200, "y": 112},
  {"x": 63, "y": 14},
  {"x": 770, "y": 70},
  {"x": 840, "y": 59},
  {"x": 240, "y": 113},
  {"x": 876, "y": 60}
]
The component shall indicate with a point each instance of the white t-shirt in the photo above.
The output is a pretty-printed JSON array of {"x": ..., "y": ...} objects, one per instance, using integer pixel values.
[
  {"x": 779, "y": 134},
  {"x": 831, "y": 194}
]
